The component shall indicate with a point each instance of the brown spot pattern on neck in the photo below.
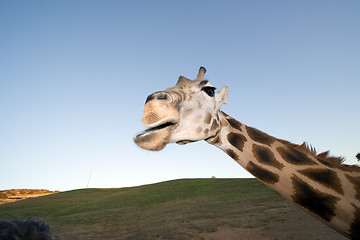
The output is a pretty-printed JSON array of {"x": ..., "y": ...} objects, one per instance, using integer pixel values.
[
  {"x": 325, "y": 177},
  {"x": 317, "y": 202},
  {"x": 355, "y": 225},
  {"x": 259, "y": 136},
  {"x": 232, "y": 154},
  {"x": 234, "y": 123},
  {"x": 266, "y": 156},
  {"x": 237, "y": 140},
  {"x": 356, "y": 184},
  {"x": 294, "y": 156},
  {"x": 262, "y": 174}
]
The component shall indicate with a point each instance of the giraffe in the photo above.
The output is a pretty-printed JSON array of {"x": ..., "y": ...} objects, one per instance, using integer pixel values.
[{"x": 320, "y": 184}]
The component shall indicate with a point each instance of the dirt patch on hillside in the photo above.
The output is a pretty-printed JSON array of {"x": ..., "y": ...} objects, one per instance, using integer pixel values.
[{"x": 14, "y": 195}]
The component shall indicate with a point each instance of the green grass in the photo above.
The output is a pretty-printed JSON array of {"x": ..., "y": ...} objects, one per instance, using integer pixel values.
[{"x": 170, "y": 210}]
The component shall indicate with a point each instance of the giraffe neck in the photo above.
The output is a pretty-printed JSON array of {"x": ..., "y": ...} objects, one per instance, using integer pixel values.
[{"x": 319, "y": 184}]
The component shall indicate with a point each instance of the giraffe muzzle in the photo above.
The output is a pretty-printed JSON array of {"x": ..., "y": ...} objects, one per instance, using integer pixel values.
[{"x": 160, "y": 116}]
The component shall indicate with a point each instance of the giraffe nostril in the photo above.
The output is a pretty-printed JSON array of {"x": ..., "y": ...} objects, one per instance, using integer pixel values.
[
  {"x": 157, "y": 96},
  {"x": 161, "y": 96}
]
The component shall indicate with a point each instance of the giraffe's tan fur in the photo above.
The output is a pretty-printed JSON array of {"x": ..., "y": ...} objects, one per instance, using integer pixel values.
[{"x": 322, "y": 185}]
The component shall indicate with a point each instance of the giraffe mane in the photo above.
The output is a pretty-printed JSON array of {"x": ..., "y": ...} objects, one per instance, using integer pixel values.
[{"x": 324, "y": 157}]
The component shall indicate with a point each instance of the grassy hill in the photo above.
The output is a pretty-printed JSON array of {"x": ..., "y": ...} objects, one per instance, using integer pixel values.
[{"x": 180, "y": 209}]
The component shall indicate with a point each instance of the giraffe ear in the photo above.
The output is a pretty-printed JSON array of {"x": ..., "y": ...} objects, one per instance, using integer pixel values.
[{"x": 221, "y": 97}]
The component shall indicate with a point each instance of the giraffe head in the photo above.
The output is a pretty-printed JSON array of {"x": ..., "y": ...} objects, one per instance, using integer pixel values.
[{"x": 187, "y": 112}]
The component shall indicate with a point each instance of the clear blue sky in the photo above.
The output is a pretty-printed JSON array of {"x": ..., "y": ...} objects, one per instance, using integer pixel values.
[{"x": 74, "y": 76}]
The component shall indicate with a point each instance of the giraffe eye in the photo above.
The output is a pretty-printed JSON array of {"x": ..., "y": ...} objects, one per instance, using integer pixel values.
[{"x": 209, "y": 91}]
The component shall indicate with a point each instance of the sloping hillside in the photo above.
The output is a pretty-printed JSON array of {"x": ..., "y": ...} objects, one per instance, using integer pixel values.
[{"x": 180, "y": 209}]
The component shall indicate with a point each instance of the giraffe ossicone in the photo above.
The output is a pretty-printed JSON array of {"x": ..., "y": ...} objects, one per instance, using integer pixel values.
[{"x": 322, "y": 185}]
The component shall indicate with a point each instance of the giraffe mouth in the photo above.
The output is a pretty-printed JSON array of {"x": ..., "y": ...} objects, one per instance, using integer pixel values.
[
  {"x": 159, "y": 127},
  {"x": 154, "y": 138},
  {"x": 153, "y": 129}
]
